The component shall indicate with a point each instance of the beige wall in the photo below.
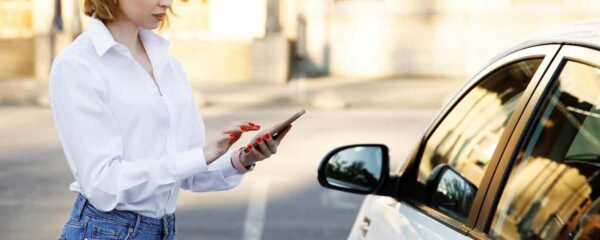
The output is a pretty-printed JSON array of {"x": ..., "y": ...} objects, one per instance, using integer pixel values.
[
  {"x": 214, "y": 61},
  {"x": 354, "y": 39},
  {"x": 380, "y": 38},
  {"x": 213, "y": 39},
  {"x": 440, "y": 38},
  {"x": 16, "y": 39},
  {"x": 468, "y": 33}
]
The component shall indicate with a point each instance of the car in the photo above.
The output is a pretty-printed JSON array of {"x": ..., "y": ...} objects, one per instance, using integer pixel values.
[{"x": 515, "y": 154}]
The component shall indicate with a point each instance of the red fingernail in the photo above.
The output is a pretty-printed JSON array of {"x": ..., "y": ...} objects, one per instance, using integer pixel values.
[
  {"x": 249, "y": 147},
  {"x": 259, "y": 139},
  {"x": 267, "y": 136},
  {"x": 251, "y": 124},
  {"x": 243, "y": 128},
  {"x": 231, "y": 135}
]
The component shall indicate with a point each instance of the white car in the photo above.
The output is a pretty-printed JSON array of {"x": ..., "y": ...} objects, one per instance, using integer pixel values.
[{"x": 514, "y": 155}]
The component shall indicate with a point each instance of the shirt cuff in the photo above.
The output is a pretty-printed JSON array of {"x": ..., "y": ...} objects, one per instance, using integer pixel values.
[
  {"x": 223, "y": 163},
  {"x": 236, "y": 162},
  {"x": 190, "y": 162}
]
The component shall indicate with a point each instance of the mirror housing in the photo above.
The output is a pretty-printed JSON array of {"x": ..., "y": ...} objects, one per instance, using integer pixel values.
[{"x": 357, "y": 168}]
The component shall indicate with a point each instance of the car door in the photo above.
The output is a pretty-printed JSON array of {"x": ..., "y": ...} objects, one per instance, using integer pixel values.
[
  {"x": 548, "y": 181},
  {"x": 467, "y": 136}
]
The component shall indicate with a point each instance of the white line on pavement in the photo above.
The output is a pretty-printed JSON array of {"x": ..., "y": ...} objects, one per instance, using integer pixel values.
[
  {"x": 255, "y": 213},
  {"x": 336, "y": 199}
]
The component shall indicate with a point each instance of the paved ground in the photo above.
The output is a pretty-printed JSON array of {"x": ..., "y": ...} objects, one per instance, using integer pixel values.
[
  {"x": 331, "y": 93},
  {"x": 281, "y": 199}
]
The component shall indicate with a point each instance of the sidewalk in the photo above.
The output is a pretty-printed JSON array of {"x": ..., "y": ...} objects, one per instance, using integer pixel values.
[
  {"x": 321, "y": 93},
  {"x": 330, "y": 93}
]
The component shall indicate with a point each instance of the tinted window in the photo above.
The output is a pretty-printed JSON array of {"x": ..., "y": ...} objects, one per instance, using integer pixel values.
[
  {"x": 552, "y": 190},
  {"x": 467, "y": 137}
]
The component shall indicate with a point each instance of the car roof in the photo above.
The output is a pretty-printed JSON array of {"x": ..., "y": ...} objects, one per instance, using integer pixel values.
[{"x": 583, "y": 33}]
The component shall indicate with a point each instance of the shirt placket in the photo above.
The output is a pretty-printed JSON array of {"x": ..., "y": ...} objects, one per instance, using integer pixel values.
[
  {"x": 171, "y": 140},
  {"x": 170, "y": 145}
]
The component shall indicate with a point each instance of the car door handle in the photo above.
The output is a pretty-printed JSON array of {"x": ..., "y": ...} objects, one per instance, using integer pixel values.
[{"x": 363, "y": 226}]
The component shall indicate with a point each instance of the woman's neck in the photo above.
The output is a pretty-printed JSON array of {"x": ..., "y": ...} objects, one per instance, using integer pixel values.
[{"x": 126, "y": 33}]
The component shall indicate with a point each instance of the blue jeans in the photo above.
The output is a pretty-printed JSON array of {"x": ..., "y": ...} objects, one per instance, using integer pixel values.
[{"x": 87, "y": 222}]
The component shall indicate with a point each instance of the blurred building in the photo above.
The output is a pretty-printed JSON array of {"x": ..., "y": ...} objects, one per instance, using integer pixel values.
[{"x": 275, "y": 40}]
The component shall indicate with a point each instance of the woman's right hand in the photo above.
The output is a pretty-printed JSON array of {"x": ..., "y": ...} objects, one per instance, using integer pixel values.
[{"x": 230, "y": 134}]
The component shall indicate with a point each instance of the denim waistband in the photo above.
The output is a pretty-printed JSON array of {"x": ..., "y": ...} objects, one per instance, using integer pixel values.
[{"x": 129, "y": 219}]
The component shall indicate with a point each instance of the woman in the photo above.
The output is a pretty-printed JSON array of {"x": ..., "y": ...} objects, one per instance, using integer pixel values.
[{"x": 131, "y": 130}]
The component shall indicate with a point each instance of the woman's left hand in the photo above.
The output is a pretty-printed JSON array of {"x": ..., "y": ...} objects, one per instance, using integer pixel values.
[{"x": 267, "y": 146}]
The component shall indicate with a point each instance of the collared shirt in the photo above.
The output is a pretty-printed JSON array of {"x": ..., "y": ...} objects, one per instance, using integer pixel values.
[{"x": 131, "y": 143}]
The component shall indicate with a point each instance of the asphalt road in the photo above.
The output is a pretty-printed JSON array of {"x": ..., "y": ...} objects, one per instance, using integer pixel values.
[{"x": 281, "y": 199}]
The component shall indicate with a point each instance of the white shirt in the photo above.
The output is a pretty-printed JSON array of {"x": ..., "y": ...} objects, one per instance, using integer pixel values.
[{"x": 130, "y": 148}]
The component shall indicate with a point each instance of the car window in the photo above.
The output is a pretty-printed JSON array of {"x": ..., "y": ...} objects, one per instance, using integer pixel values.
[
  {"x": 552, "y": 190},
  {"x": 466, "y": 138}
]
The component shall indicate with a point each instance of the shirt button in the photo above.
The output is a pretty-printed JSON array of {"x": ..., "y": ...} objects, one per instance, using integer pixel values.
[{"x": 130, "y": 230}]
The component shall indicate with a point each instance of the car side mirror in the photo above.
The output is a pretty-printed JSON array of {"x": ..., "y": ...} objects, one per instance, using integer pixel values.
[
  {"x": 449, "y": 192},
  {"x": 358, "y": 168}
]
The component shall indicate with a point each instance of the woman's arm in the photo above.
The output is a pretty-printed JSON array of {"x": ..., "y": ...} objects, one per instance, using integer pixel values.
[
  {"x": 93, "y": 145},
  {"x": 221, "y": 174}
]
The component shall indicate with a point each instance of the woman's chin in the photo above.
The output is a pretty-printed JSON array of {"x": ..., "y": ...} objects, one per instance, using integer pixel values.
[{"x": 150, "y": 26}]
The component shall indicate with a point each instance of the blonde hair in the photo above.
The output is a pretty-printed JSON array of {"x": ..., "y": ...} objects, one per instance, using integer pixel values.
[{"x": 108, "y": 10}]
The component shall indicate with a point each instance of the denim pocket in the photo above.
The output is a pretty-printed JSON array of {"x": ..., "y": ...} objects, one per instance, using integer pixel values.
[
  {"x": 105, "y": 233},
  {"x": 106, "y": 229}
]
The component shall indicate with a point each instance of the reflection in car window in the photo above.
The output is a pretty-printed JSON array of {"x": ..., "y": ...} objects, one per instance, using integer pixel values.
[
  {"x": 467, "y": 137},
  {"x": 552, "y": 191}
]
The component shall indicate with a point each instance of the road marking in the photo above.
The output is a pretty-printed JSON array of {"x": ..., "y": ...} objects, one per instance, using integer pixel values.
[
  {"x": 10, "y": 202},
  {"x": 336, "y": 199},
  {"x": 255, "y": 213}
]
